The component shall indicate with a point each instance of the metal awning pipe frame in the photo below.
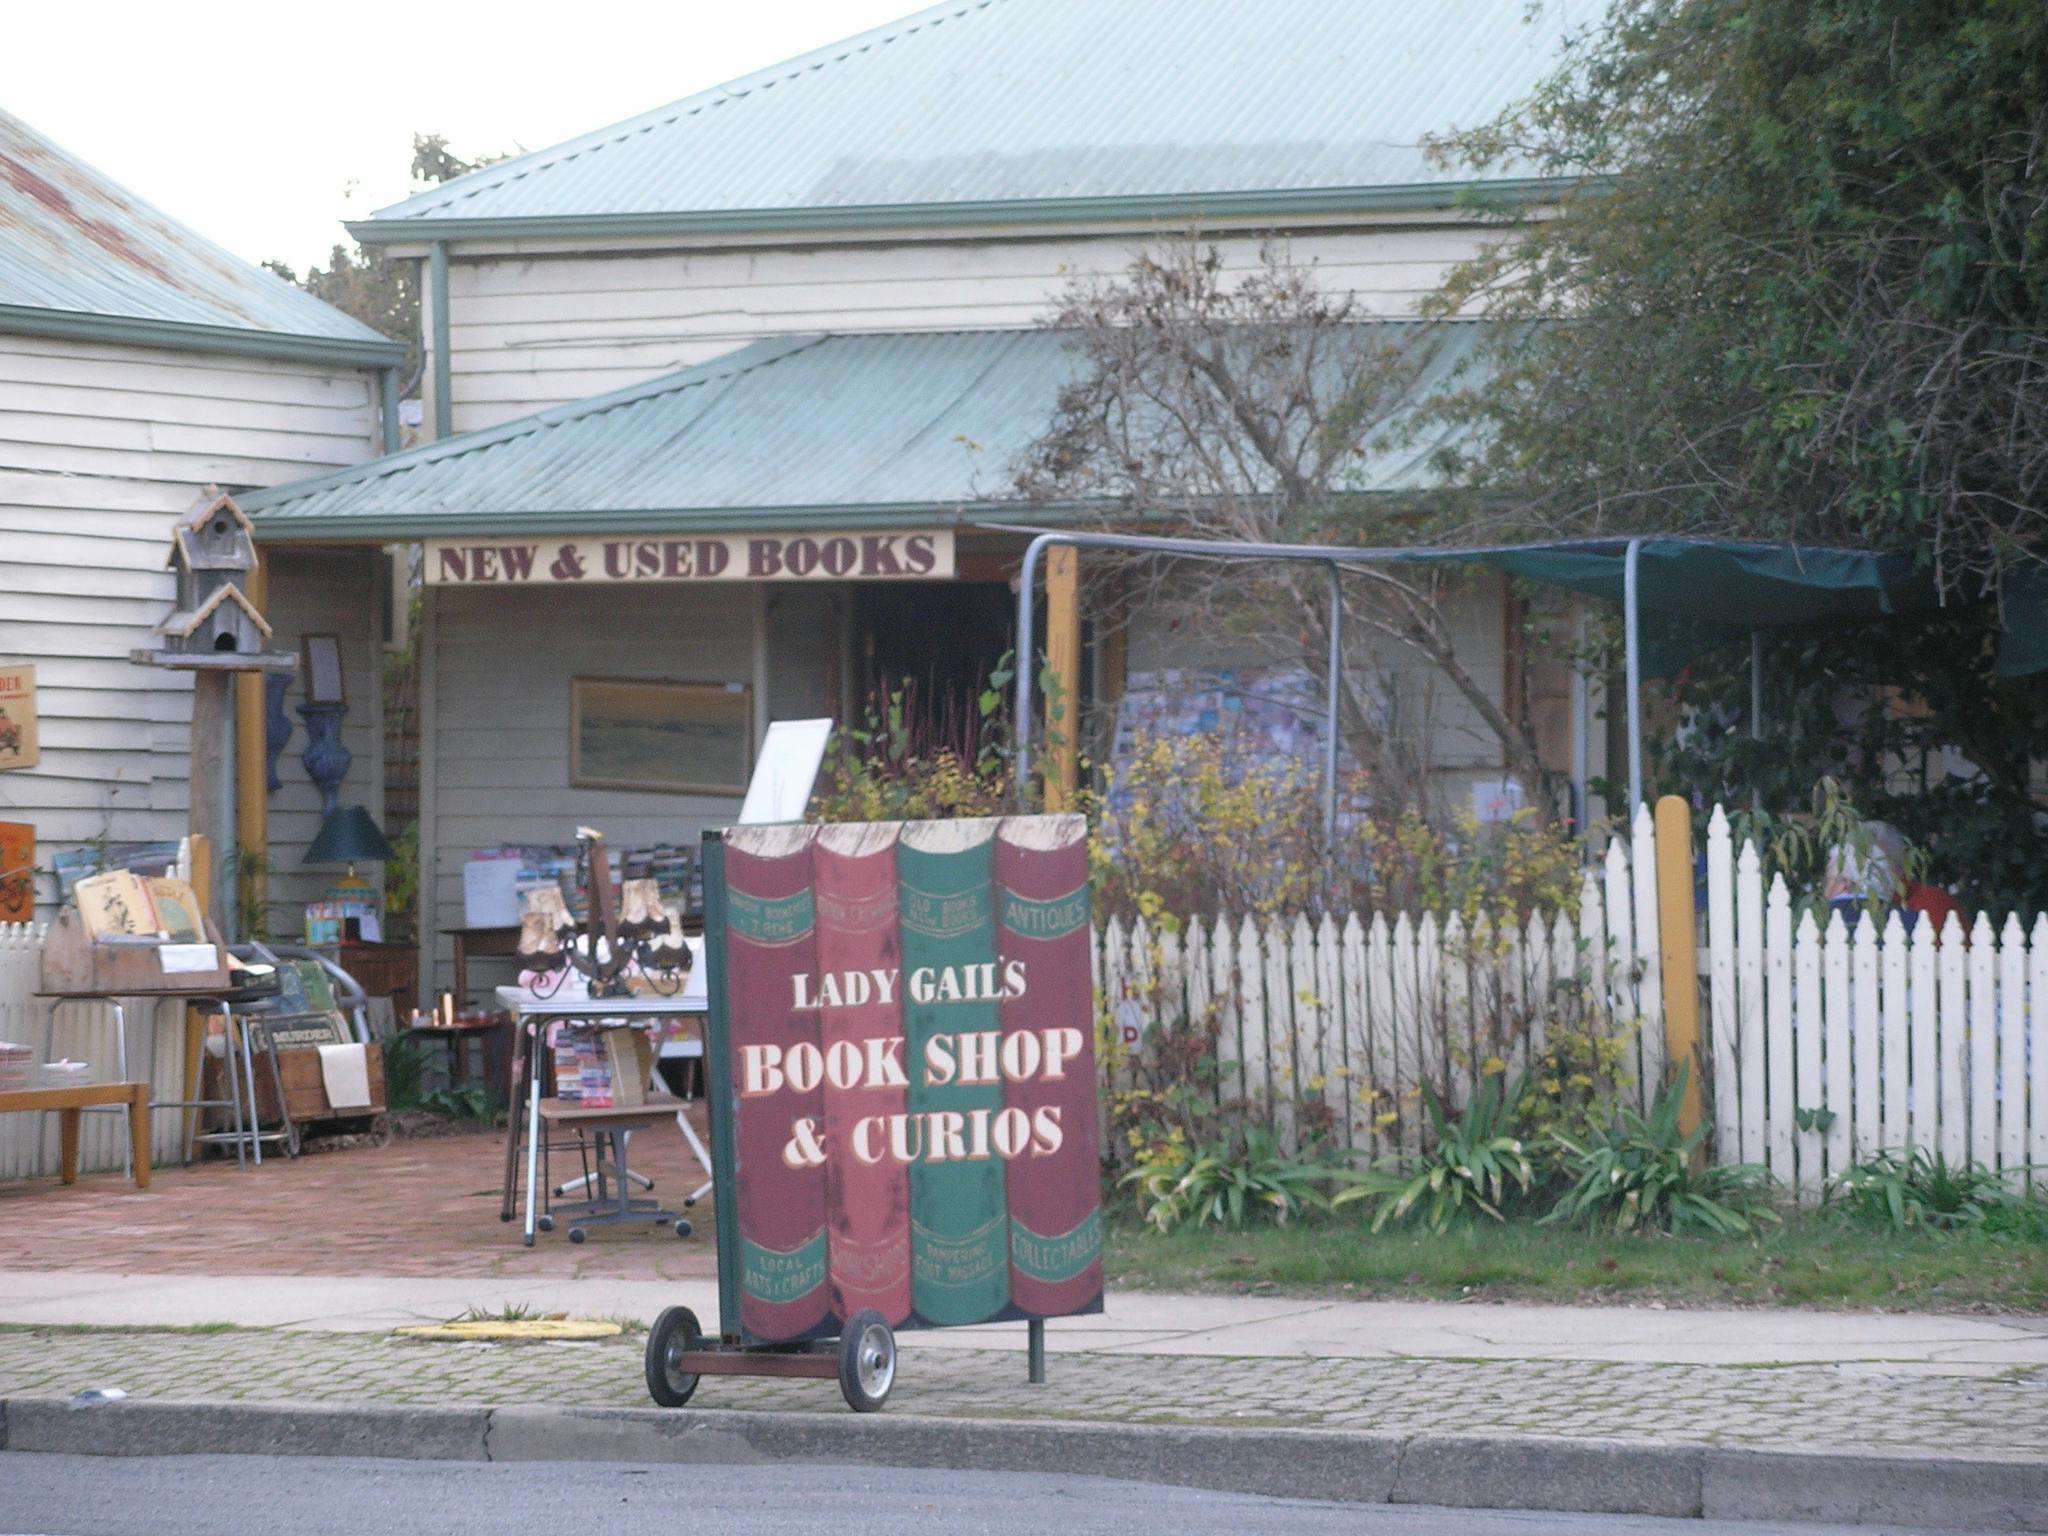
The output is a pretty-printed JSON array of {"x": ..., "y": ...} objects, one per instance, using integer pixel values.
[
  {"x": 1334, "y": 557},
  {"x": 1632, "y": 620}
]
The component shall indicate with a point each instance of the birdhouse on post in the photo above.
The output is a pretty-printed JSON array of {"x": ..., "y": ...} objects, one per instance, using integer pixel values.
[
  {"x": 214, "y": 626},
  {"x": 216, "y": 632}
]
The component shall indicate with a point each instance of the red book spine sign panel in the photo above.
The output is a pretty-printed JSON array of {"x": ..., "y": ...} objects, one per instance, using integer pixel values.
[
  {"x": 772, "y": 948},
  {"x": 860, "y": 947},
  {"x": 1054, "y": 1195}
]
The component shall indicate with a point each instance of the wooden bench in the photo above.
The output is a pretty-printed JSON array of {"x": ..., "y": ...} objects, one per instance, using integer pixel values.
[{"x": 67, "y": 1102}]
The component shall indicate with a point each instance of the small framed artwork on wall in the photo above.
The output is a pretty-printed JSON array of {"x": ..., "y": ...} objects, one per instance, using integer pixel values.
[
  {"x": 321, "y": 657},
  {"x": 650, "y": 734}
]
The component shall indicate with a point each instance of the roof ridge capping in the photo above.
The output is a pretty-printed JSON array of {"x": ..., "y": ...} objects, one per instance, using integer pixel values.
[
  {"x": 748, "y": 359},
  {"x": 975, "y": 114},
  {"x": 443, "y": 197}
]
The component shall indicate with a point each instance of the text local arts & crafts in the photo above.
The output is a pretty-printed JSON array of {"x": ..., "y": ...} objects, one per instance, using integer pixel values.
[{"x": 970, "y": 1058}]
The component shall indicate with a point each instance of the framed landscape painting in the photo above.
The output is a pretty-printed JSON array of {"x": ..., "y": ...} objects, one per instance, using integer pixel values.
[{"x": 674, "y": 738}]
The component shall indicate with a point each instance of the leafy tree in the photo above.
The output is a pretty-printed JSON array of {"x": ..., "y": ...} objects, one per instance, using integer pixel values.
[
  {"x": 1797, "y": 289},
  {"x": 379, "y": 290}
]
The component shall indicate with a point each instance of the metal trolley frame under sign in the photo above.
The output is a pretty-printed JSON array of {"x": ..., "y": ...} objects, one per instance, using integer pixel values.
[{"x": 863, "y": 1357}]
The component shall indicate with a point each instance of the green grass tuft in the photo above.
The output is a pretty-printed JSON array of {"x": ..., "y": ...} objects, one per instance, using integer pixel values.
[{"x": 1807, "y": 1263}]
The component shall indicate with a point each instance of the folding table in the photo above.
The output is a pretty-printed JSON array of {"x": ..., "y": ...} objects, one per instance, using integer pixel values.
[{"x": 531, "y": 1014}]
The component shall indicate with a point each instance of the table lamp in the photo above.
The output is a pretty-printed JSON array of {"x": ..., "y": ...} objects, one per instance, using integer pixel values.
[{"x": 350, "y": 836}]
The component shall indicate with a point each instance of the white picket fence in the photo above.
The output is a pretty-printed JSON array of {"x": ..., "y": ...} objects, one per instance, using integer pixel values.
[
  {"x": 1928, "y": 1040},
  {"x": 1889, "y": 1041},
  {"x": 28, "y": 1142},
  {"x": 1898, "y": 1040}
]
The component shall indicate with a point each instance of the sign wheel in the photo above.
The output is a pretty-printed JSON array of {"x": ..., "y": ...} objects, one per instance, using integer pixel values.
[
  {"x": 867, "y": 1361},
  {"x": 674, "y": 1332}
]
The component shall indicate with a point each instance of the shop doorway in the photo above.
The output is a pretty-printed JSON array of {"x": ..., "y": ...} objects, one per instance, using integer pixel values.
[{"x": 937, "y": 642}]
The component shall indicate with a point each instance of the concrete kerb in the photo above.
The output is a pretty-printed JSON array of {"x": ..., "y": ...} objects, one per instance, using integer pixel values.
[{"x": 1595, "y": 1477}]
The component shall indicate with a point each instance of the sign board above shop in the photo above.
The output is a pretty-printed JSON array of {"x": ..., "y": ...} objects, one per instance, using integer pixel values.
[{"x": 540, "y": 562}]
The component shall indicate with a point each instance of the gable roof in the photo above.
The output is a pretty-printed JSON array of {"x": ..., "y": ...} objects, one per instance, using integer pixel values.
[
  {"x": 80, "y": 257},
  {"x": 212, "y": 499},
  {"x": 820, "y": 432},
  {"x": 992, "y": 111},
  {"x": 181, "y": 624}
]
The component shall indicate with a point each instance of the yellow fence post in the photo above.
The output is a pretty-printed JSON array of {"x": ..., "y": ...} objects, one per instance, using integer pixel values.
[{"x": 1678, "y": 942}]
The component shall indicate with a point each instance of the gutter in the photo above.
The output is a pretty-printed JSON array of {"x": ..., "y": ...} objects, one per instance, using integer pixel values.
[
  {"x": 849, "y": 517},
  {"x": 1159, "y": 207},
  {"x": 178, "y": 336}
]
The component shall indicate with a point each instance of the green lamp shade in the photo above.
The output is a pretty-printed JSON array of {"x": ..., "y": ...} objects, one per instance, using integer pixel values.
[{"x": 349, "y": 836}]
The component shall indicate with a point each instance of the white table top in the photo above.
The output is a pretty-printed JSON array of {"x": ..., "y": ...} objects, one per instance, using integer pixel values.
[{"x": 527, "y": 1005}]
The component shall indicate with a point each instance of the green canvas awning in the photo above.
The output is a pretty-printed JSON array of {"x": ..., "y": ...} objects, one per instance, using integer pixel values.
[
  {"x": 1688, "y": 595},
  {"x": 1696, "y": 594}
]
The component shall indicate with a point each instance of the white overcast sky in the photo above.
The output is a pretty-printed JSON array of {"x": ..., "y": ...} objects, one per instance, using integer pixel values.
[{"x": 263, "y": 126}]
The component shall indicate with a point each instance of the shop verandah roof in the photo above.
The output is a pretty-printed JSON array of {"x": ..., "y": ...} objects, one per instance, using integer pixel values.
[{"x": 813, "y": 432}]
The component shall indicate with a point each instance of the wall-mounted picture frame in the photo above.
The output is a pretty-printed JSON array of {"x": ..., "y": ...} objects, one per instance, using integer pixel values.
[
  {"x": 320, "y": 658},
  {"x": 653, "y": 734},
  {"x": 19, "y": 746}
]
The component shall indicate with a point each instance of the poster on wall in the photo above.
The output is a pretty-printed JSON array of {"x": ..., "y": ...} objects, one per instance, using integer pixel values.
[
  {"x": 17, "y": 872},
  {"x": 18, "y": 746},
  {"x": 903, "y": 1074},
  {"x": 674, "y": 738}
]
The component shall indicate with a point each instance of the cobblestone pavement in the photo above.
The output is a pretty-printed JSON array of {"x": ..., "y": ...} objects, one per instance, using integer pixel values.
[{"x": 1793, "y": 1407}]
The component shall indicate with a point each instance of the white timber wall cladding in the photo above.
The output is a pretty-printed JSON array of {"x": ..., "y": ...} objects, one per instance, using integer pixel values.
[
  {"x": 1823, "y": 1044},
  {"x": 28, "y": 1142},
  {"x": 334, "y": 592},
  {"x": 532, "y": 330},
  {"x": 101, "y": 447},
  {"x": 496, "y": 727}
]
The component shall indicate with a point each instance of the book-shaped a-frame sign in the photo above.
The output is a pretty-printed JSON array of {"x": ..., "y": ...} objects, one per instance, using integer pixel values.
[{"x": 902, "y": 1053}]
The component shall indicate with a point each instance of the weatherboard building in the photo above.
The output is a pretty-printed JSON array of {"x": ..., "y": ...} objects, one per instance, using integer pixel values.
[{"x": 727, "y": 395}]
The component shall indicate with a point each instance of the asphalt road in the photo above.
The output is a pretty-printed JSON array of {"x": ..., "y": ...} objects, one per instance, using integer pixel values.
[{"x": 316, "y": 1496}]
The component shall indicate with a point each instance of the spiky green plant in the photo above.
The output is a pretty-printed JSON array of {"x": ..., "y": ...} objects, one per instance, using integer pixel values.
[
  {"x": 1477, "y": 1159},
  {"x": 1644, "y": 1174}
]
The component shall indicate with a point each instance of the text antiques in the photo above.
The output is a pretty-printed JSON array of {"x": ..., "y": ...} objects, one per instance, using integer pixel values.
[
  {"x": 711, "y": 557},
  {"x": 903, "y": 1052}
]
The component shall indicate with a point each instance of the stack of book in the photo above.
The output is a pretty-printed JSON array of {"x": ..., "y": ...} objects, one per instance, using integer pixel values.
[
  {"x": 581, "y": 1072},
  {"x": 121, "y": 902},
  {"x": 14, "y": 1066},
  {"x": 603, "y": 1068}
]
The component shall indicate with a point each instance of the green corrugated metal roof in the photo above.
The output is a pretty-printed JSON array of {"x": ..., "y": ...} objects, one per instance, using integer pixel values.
[
  {"x": 981, "y": 109},
  {"x": 812, "y": 432},
  {"x": 80, "y": 257}
]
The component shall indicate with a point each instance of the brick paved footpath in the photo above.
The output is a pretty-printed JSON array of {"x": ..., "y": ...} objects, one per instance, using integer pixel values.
[{"x": 1791, "y": 1407}]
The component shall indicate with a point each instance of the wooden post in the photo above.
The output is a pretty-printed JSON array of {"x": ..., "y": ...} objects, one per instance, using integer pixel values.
[
  {"x": 1679, "y": 946},
  {"x": 1063, "y": 662},
  {"x": 252, "y": 798},
  {"x": 207, "y": 790}
]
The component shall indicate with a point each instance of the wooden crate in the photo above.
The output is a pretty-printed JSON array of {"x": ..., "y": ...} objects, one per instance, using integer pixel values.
[{"x": 305, "y": 1092}]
